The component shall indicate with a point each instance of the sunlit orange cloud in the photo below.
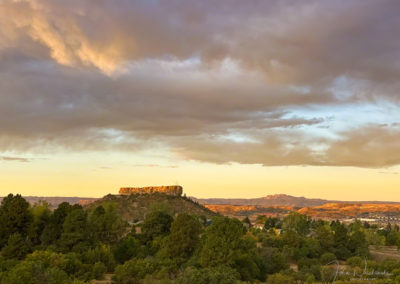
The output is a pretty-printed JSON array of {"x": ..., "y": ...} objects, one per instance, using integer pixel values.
[{"x": 237, "y": 100}]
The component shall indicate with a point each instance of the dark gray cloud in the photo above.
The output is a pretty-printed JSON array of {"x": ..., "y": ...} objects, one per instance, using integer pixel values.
[
  {"x": 369, "y": 147},
  {"x": 294, "y": 42},
  {"x": 130, "y": 75}
]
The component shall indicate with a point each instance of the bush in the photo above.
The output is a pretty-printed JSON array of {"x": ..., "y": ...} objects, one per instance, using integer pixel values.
[
  {"x": 133, "y": 270},
  {"x": 126, "y": 249},
  {"x": 39, "y": 267},
  {"x": 327, "y": 257},
  {"x": 390, "y": 264},
  {"x": 215, "y": 275},
  {"x": 354, "y": 261},
  {"x": 279, "y": 278},
  {"x": 100, "y": 254},
  {"x": 98, "y": 270}
]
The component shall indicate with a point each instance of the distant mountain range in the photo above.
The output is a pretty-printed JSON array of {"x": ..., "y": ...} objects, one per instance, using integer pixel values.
[
  {"x": 55, "y": 200},
  {"x": 280, "y": 200},
  {"x": 269, "y": 200}
]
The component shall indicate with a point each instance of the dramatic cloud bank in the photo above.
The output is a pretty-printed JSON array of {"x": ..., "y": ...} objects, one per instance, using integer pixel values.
[{"x": 258, "y": 82}]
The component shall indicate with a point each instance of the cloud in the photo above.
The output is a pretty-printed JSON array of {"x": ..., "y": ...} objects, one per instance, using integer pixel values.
[
  {"x": 303, "y": 43},
  {"x": 207, "y": 81},
  {"x": 14, "y": 159},
  {"x": 269, "y": 150},
  {"x": 53, "y": 105},
  {"x": 367, "y": 147},
  {"x": 155, "y": 166},
  {"x": 372, "y": 147}
]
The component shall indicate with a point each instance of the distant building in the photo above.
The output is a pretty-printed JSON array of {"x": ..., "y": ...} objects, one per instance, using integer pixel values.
[
  {"x": 368, "y": 220},
  {"x": 259, "y": 226}
]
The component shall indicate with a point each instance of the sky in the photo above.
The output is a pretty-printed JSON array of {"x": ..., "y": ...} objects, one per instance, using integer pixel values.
[{"x": 226, "y": 98}]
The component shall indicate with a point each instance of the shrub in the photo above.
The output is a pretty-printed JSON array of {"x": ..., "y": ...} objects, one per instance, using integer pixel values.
[
  {"x": 327, "y": 257},
  {"x": 279, "y": 278},
  {"x": 354, "y": 261},
  {"x": 215, "y": 275},
  {"x": 98, "y": 270},
  {"x": 133, "y": 270}
]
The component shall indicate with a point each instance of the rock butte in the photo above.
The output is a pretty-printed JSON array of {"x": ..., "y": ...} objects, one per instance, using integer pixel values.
[{"x": 169, "y": 189}]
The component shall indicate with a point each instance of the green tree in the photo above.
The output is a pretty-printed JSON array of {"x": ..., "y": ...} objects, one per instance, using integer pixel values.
[
  {"x": 74, "y": 236},
  {"x": 126, "y": 249},
  {"x": 340, "y": 237},
  {"x": 38, "y": 267},
  {"x": 274, "y": 260},
  {"x": 183, "y": 239},
  {"x": 309, "y": 248},
  {"x": 272, "y": 222},
  {"x": 340, "y": 233},
  {"x": 54, "y": 227},
  {"x": 355, "y": 261},
  {"x": 156, "y": 223},
  {"x": 325, "y": 236},
  {"x": 16, "y": 247},
  {"x": 280, "y": 278},
  {"x": 133, "y": 270},
  {"x": 105, "y": 224},
  {"x": 357, "y": 244},
  {"x": 98, "y": 270},
  {"x": 14, "y": 217},
  {"x": 223, "y": 242},
  {"x": 373, "y": 238},
  {"x": 393, "y": 238},
  {"x": 246, "y": 221},
  {"x": 209, "y": 275},
  {"x": 41, "y": 214},
  {"x": 298, "y": 223},
  {"x": 101, "y": 254},
  {"x": 327, "y": 257},
  {"x": 291, "y": 238}
]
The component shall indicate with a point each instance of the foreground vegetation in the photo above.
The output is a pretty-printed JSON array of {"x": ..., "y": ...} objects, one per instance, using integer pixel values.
[{"x": 72, "y": 244}]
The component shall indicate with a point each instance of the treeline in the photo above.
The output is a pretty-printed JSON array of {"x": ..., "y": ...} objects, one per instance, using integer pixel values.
[{"x": 74, "y": 245}]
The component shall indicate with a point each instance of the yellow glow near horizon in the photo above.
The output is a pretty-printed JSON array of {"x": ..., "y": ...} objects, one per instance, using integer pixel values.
[{"x": 95, "y": 175}]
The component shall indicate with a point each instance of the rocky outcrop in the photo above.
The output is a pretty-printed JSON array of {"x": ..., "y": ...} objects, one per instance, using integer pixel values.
[{"x": 169, "y": 189}]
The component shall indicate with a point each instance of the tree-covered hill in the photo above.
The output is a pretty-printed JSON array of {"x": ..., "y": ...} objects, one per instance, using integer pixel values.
[{"x": 134, "y": 207}]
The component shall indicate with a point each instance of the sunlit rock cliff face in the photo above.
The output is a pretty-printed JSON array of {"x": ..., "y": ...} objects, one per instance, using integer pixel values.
[{"x": 169, "y": 189}]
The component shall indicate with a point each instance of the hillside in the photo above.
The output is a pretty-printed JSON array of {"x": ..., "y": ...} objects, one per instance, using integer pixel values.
[
  {"x": 249, "y": 210},
  {"x": 269, "y": 200},
  {"x": 345, "y": 210},
  {"x": 280, "y": 200},
  {"x": 135, "y": 206},
  {"x": 373, "y": 212}
]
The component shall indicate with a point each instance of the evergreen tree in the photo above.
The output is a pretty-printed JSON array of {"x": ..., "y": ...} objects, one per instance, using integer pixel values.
[
  {"x": 223, "y": 242},
  {"x": 14, "y": 217},
  {"x": 16, "y": 247},
  {"x": 54, "y": 227},
  {"x": 157, "y": 223},
  {"x": 183, "y": 239},
  {"x": 74, "y": 236},
  {"x": 41, "y": 214}
]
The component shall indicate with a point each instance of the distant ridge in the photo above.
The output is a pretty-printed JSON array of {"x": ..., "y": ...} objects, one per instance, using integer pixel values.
[
  {"x": 280, "y": 200},
  {"x": 54, "y": 201},
  {"x": 269, "y": 200}
]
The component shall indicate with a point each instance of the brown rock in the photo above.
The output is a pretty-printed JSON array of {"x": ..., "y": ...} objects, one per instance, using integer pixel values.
[{"x": 169, "y": 189}]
